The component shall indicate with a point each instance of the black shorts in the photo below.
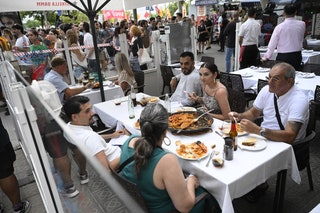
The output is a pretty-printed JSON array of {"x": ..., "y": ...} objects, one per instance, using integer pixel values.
[
  {"x": 7, "y": 157},
  {"x": 54, "y": 142}
]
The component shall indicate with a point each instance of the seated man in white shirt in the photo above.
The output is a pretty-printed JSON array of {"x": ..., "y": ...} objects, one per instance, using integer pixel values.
[
  {"x": 187, "y": 82},
  {"x": 291, "y": 102},
  {"x": 79, "y": 110},
  {"x": 293, "y": 114}
]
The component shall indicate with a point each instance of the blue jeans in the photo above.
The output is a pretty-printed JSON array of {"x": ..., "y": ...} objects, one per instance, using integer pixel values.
[{"x": 229, "y": 53}]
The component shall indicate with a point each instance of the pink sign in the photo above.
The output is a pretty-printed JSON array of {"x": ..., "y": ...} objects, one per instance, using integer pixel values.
[{"x": 107, "y": 14}]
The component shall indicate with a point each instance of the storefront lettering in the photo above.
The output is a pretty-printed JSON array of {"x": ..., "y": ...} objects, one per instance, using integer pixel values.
[{"x": 48, "y": 3}]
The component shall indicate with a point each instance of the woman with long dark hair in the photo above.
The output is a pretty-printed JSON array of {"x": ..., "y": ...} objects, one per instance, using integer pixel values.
[{"x": 157, "y": 172}]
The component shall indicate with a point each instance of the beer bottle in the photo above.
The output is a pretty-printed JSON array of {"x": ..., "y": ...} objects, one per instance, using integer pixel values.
[{"x": 234, "y": 134}]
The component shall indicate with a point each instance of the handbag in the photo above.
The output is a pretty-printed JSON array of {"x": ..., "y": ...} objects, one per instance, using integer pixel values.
[{"x": 145, "y": 58}]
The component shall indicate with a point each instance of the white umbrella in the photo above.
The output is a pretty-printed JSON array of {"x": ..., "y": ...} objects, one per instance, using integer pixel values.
[{"x": 38, "y": 5}]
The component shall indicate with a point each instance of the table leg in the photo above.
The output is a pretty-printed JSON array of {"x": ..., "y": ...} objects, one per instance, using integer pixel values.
[{"x": 280, "y": 188}]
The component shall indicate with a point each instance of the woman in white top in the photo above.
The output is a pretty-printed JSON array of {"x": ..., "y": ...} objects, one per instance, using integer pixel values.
[
  {"x": 78, "y": 57},
  {"x": 125, "y": 74}
]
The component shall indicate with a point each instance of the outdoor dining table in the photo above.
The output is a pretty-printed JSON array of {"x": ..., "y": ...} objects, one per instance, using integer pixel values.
[
  {"x": 305, "y": 81},
  {"x": 111, "y": 91},
  {"x": 308, "y": 56},
  {"x": 247, "y": 170}
]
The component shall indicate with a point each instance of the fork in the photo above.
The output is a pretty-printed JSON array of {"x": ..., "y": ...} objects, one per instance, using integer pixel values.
[
  {"x": 195, "y": 120},
  {"x": 210, "y": 157}
]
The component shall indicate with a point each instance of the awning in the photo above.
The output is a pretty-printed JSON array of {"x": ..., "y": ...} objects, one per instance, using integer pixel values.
[
  {"x": 205, "y": 2},
  {"x": 42, "y": 5}
]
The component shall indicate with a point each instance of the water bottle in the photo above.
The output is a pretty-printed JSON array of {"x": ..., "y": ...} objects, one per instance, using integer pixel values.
[
  {"x": 133, "y": 96},
  {"x": 167, "y": 103},
  {"x": 130, "y": 108}
]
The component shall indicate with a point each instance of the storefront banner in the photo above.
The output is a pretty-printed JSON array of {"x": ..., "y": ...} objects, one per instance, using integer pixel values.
[{"x": 108, "y": 14}]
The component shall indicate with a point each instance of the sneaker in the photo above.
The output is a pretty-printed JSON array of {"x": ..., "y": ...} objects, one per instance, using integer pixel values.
[
  {"x": 84, "y": 178},
  {"x": 71, "y": 191},
  {"x": 26, "y": 206}
]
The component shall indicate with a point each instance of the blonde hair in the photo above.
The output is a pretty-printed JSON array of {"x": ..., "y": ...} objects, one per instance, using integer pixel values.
[
  {"x": 135, "y": 31},
  {"x": 72, "y": 37},
  {"x": 122, "y": 63}
]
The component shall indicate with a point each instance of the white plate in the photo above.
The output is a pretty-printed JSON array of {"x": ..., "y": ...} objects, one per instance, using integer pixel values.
[
  {"x": 191, "y": 154},
  {"x": 308, "y": 75},
  {"x": 246, "y": 75},
  {"x": 260, "y": 144},
  {"x": 185, "y": 109},
  {"x": 262, "y": 69}
]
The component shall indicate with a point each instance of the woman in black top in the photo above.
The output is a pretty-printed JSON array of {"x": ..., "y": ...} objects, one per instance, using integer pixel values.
[{"x": 136, "y": 47}]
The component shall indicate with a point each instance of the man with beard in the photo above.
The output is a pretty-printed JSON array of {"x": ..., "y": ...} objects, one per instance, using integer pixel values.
[
  {"x": 187, "y": 82},
  {"x": 79, "y": 111}
]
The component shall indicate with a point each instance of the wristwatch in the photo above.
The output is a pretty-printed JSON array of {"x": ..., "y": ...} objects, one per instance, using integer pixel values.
[{"x": 263, "y": 132}]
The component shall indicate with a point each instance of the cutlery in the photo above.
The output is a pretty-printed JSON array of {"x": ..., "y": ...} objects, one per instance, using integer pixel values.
[
  {"x": 194, "y": 120},
  {"x": 210, "y": 157}
]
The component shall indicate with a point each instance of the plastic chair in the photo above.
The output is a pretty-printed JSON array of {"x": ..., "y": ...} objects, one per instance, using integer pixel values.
[
  {"x": 207, "y": 59},
  {"x": 261, "y": 84},
  {"x": 235, "y": 82},
  {"x": 139, "y": 77},
  {"x": 315, "y": 68},
  {"x": 167, "y": 74},
  {"x": 135, "y": 193},
  {"x": 236, "y": 100}
]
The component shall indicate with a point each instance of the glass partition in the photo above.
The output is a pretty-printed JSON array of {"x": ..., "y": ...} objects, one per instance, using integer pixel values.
[{"x": 37, "y": 123}]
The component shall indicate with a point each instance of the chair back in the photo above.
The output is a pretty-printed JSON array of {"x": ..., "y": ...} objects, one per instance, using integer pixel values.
[
  {"x": 207, "y": 59},
  {"x": 269, "y": 63},
  {"x": 261, "y": 84},
  {"x": 236, "y": 81},
  {"x": 224, "y": 79},
  {"x": 315, "y": 68},
  {"x": 236, "y": 100},
  {"x": 317, "y": 94},
  {"x": 167, "y": 74},
  {"x": 132, "y": 190},
  {"x": 301, "y": 151},
  {"x": 139, "y": 77}
]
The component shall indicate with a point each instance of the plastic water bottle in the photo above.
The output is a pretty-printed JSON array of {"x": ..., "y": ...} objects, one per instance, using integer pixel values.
[
  {"x": 130, "y": 108},
  {"x": 167, "y": 103}
]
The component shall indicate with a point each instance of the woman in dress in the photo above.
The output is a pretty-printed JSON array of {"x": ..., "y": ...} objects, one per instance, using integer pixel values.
[
  {"x": 203, "y": 34},
  {"x": 78, "y": 57},
  {"x": 163, "y": 187},
  {"x": 215, "y": 94},
  {"x": 125, "y": 74}
]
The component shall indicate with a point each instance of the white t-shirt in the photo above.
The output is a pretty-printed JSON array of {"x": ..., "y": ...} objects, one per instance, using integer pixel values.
[
  {"x": 250, "y": 31},
  {"x": 94, "y": 141},
  {"x": 88, "y": 41},
  {"x": 293, "y": 106},
  {"x": 187, "y": 84},
  {"x": 22, "y": 42}
]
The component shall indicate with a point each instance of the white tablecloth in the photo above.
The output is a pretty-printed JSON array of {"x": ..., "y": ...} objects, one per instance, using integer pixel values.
[
  {"x": 308, "y": 56},
  {"x": 236, "y": 178},
  {"x": 250, "y": 79},
  {"x": 109, "y": 93}
]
